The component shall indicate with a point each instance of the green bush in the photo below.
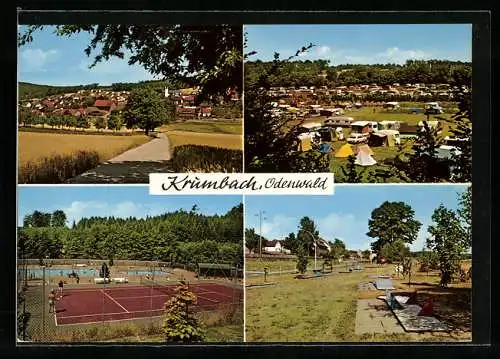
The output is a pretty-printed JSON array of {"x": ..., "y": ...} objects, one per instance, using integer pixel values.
[
  {"x": 195, "y": 158},
  {"x": 58, "y": 168}
]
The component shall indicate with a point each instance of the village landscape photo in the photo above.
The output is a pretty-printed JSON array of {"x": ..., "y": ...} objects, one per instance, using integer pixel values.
[
  {"x": 107, "y": 104},
  {"x": 370, "y": 103}
]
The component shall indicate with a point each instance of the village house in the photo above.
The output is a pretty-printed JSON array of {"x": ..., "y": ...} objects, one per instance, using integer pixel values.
[{"x": 274, "y": 247}]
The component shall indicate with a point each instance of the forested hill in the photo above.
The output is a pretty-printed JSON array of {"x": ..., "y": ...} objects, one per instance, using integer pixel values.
[
  {"x": 29, "y": 90},
  {"x": 180, "y": 236},
  {"x": 320, "y": 73}
]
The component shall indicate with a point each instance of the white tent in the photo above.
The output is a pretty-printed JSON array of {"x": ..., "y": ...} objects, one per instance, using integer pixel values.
[{"x": 364, "y": 159}]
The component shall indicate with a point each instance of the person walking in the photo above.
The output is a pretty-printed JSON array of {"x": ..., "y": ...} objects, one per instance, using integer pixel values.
[
  {"x": 61, "y": 285},
  {"x": 52, "y": 301}
]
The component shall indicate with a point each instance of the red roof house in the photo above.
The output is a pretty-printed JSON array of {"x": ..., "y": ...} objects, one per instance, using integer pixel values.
[{"x": 106, "y": 105}]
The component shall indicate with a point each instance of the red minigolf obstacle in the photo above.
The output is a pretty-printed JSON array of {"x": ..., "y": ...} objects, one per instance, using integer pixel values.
[{"x": 427, "y": 309}]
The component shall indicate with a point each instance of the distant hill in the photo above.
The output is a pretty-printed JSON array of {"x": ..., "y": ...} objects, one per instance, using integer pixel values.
[{"x": 28, "y": 90}]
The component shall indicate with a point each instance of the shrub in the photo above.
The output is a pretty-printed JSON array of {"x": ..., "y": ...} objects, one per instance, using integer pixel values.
[
  {"x": 58, "y": 168},
  {"x": 195, "y": 158}
]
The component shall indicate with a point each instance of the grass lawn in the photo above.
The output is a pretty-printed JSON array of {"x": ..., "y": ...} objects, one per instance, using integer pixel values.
[
  {"x": 324, "y": 310},
  {"x": 35, "y": 145},
  {"x": 230, "y": 127},
  {"x": 229, "y": 141}
]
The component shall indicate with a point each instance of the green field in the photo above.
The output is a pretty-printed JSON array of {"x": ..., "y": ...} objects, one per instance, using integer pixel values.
[
  {"x": 224, "y": 127},
  {"x": 324, "y": 310}
]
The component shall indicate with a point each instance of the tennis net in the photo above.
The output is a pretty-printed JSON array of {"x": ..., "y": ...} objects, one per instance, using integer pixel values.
[{"x": 152, "y": 284}]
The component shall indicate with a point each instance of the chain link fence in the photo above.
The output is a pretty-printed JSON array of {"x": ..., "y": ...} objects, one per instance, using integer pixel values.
[{"x": 143, "y": 304}]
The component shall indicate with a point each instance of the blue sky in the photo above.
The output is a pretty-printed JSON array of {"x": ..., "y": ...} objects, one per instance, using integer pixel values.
[
  {"x": 60, "y": 61},
  {"x": 363, "y": 44},
  {"x": 122, "y": 201},
  {"x": 345, "y": 215}
]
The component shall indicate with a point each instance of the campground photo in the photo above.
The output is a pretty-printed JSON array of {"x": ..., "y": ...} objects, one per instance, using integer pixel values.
[
  {"x": 91, "y": 110},
  {"x": 379, "y": 263},
  {"x": 113, "y": 264},
  {"x": 370, "y": 103}
]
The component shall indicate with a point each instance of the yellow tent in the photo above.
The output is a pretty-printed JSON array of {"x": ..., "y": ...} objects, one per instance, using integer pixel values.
[
  {"x": 305, "y": 144},
  {"x": 365, "y": 148},
  {"x": 344, "y": 151}
]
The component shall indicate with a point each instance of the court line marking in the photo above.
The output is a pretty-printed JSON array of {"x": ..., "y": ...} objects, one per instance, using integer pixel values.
[{"x": 110, "y": 297}]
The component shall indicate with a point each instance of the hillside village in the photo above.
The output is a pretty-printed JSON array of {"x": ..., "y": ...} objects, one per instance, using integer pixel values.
[{"x": 97, "y": 104}]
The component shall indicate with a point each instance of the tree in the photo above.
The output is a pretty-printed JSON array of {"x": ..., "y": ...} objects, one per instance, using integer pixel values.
[
  {"x": 145, "y": 109},
  {"x": 209, "y": 55},
  {"x": 82, "y": 122},
  {"x": 465, "y": 214},
  {"x": 290, "y": 242},
  {"x": 394, "y": 251},
  {"x": 366, "y": 254},
  {"x": 337, "y": 249},
  {"x": 179, "y": 324},
  {"x": 462, "y": 161},
  {"x": 449, "y": 240},
  {"x": 302, "y": 258},
  {"x": 424, "y": 165},
  {"x": 58, "y": 219},
  {"x": 100, "y": 123},
  {"x": 252, "y": 239},
  {"x": 390, "y": 222},
  {"x": 307, "y": 234},
  {"x": 350, "y": 171},
  {"x": 23, "y": 317},
  {"x": 115, "y": 122},
  {"x": 271, "y": 141}
]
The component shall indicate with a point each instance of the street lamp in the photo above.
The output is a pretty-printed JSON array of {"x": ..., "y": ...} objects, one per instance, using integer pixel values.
[
  {"x": 315, "y": 246},
  {"x": 260, "y": 231}
]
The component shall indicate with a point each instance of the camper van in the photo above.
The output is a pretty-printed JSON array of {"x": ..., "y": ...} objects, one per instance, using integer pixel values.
[
  {"x": 341, "y": 121},
  {"x": 364, "y": 126},
  {"x": 392, "y": 105},
  {"x": 433, "y": 108}
]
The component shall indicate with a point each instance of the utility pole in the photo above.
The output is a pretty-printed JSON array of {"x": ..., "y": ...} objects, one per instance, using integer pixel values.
[{"x": 260, "y": 231}]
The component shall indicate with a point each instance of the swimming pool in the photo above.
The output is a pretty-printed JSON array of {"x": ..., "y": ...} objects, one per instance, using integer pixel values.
[
  {"x": 37, "y": 273},
  {"x": 145, "y": 273}
]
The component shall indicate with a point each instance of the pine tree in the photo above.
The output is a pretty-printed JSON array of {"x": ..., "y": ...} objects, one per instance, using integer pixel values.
[{"x": 179, "y": 324}]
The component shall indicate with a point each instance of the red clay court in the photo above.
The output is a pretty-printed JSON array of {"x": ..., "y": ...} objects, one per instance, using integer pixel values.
[{"x": 95, "y": 305}]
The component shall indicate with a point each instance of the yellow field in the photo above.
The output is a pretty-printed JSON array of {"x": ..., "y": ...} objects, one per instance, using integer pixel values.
[
  {"x": 179, "y": 138},
  {"x": 34, "y": 145}
]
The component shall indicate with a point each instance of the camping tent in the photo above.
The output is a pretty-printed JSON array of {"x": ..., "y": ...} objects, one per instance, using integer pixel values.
[
  {"x": 344, "y": 151},
  {"x": 388, "y": 138},
  {"x": 364, "y": 159},
  {"x": 365, "y": 148}
]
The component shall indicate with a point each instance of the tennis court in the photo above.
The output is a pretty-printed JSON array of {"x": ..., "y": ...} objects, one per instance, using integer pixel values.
[{"x": 95, "y": 305}]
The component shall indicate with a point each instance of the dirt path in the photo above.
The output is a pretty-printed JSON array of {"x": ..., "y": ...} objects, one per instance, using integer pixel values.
[{"x": 132, "y": 166}]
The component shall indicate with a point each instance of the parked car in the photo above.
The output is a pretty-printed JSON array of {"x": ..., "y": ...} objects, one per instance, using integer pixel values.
[
  {"x": 356, "y": 138},
  {"x": 433, "y": 108}
]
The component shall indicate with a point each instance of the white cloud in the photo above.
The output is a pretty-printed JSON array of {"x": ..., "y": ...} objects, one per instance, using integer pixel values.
[
  {"x": 35, "y": 59},
  {"x": 278, "y": 226},
  {"x": 323, "y": 50},
  {"x": 399, "y": 56},
  {"x": 80, "y": 209}
]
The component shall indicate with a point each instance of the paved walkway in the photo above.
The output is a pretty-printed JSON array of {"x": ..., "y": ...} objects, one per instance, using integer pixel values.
[
  {"x": 373, "y": 316},
  {"x": 132, "y": 166},
  {"x": 155, "y": 150}
]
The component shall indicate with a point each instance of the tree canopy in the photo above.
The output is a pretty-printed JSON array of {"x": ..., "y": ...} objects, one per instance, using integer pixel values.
[
  {"x": 146, "y": 109},
  {"x": 392, "y": 221},
  {"x": 210, "y": 54},
  {"x": 179, "y": 237}
]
